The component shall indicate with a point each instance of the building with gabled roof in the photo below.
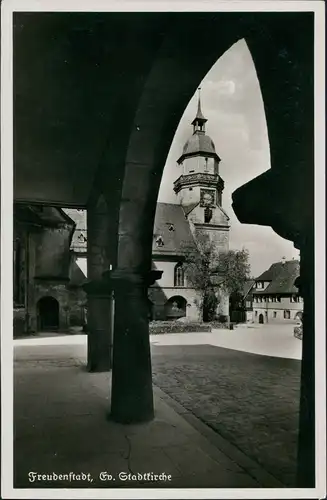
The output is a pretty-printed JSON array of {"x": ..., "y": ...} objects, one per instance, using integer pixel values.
[{"x": 275, "y": 296}]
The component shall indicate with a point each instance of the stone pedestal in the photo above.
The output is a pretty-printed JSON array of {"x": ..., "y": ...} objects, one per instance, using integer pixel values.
[
  {"x": 99, "y": 323},
  {"x": 132, "y": 397}
]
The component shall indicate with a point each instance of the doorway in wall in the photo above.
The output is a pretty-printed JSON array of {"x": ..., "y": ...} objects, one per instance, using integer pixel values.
[
  {"x": 261, "y": 321},
  {"x": 48, "y": 314}
]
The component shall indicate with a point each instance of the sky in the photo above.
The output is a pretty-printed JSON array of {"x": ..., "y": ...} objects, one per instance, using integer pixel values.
[{"x": 232, "y": 103}]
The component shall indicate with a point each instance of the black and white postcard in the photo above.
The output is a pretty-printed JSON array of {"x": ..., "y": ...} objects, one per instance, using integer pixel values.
[{"x": 163, "y": 249}]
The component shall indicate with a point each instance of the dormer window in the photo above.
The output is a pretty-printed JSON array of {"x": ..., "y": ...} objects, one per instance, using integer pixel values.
[
  {"x": 160, "y": 241},
  {"x": 82, "y": 238}
]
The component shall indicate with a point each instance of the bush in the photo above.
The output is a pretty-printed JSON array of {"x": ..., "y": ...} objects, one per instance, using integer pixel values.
[
  {"x": 219, "y": 325},
  {"x": 157, "y": 327},
  {"x": 298, "y": 332}
]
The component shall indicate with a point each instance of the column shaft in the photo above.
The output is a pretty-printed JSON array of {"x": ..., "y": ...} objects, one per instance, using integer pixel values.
[
  {"x": 306, "y": 442},
  {"x": 99, "y": 293},
  {"x": 132, "y": 398},
  {"x": 99, "y": 346}
]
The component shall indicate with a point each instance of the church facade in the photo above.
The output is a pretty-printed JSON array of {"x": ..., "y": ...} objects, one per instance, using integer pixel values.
[{"x": 199, "y": 211}]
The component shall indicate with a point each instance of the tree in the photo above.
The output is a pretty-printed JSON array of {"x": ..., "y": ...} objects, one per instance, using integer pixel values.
[{"x": 209, "y": 270}]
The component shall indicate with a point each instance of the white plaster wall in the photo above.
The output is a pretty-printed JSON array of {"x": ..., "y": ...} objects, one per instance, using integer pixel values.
[
  {"x": 167, "y": 279},
  {"x": 279, "y": 308},
  {"x": 188, "y": 196},
  {"x": 193, "y": 165}
]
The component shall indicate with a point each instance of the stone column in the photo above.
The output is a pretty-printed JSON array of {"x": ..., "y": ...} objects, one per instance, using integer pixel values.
[
  {"x": 99, "y": 318},
  {"x": 99, "y": 292},
  {"x": 306, "y": 441},
  {"x": 132, "y": 398}
]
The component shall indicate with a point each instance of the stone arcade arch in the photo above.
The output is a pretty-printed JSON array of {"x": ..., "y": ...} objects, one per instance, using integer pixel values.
[{"x": 160, "y": 107}]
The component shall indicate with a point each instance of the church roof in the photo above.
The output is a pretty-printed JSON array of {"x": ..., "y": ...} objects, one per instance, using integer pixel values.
[
  {"x": 282, "y": 276},
  {"x": 171, "y": 230},
  {"x": 79, "y": 240},
  {"x": 199, "y": 143}
]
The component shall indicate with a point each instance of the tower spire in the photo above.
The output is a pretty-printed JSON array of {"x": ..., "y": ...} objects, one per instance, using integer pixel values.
[{"x": 199, "y": 120}]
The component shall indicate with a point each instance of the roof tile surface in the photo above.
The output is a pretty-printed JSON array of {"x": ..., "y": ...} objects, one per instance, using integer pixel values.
[{"x": 282, "y": 276}]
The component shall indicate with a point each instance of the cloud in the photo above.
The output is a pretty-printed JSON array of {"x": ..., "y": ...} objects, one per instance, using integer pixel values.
[{"x": 226, "y": 87}]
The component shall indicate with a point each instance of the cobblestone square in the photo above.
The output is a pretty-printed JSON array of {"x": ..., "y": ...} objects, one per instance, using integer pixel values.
[{"x": 250, "y": 400}]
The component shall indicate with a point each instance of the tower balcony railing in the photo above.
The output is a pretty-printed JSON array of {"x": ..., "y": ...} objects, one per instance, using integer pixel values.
[{"x": 203, "y": 178}]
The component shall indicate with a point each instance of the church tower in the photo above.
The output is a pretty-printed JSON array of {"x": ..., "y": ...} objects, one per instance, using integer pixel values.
[{"x": 199, "y": 187}]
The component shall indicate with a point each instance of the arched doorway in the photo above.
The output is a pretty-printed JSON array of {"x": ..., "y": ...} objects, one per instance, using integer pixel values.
[
  {"x": 48, "y": 314},
  {"x": 261, "y": 320},
  {"x": 175, "y": 307}
]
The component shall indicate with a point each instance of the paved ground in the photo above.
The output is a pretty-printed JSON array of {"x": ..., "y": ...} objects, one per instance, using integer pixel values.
[
  {"x": 267, "y": 340},
  {"x": 61, "y": 426},
  {"x": 250, "y": 400}
]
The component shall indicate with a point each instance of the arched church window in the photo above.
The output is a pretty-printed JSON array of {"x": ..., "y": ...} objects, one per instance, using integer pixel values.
[{"x": 179, "y": 275}]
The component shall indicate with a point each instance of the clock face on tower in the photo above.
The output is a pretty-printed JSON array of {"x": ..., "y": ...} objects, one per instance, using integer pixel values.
[{"x": 207, "y": 198}]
